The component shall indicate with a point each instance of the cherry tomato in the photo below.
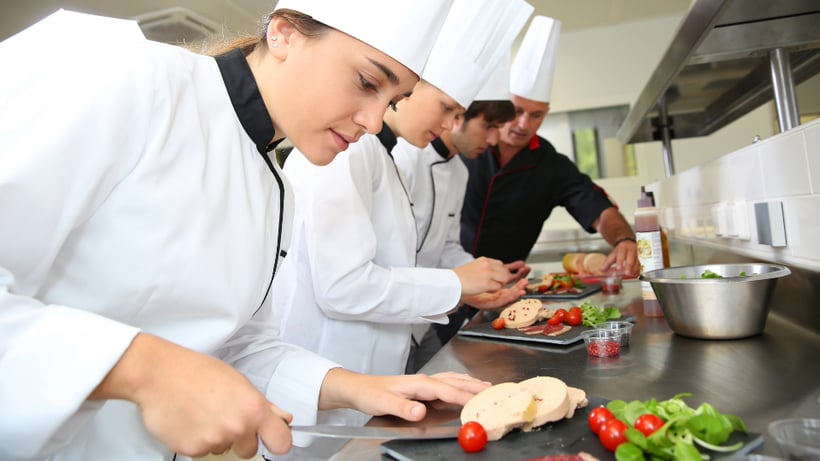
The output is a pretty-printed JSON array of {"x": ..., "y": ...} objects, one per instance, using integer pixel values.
[
  {"x": 576, "y": 309},
  {"x": 558, "y": 317},
  {"x": 573, "y": 318},
  {"x": 498, "y": 323},
  {"x": 543, "y": 288},
  {"x": 472, "y": 437},
  {"x": 597, "y": 417},
  {"x": 648, "y": 423},
  {"x": 612, "y": 434}
]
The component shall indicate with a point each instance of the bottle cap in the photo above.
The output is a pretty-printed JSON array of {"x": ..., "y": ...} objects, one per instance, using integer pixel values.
[{"x": 645, "y": 201}]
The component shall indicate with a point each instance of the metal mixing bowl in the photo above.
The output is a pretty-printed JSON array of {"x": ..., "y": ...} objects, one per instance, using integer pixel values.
[{"x": 716, "y": 308}]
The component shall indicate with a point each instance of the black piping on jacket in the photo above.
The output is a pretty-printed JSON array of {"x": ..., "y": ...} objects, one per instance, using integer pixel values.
[
  {"x": 389, "y": 140},
  {"x": 255, "y": 120}
]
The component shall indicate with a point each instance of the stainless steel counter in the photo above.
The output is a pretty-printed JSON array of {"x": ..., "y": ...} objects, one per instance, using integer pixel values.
[{"x": 760, "y": 379}]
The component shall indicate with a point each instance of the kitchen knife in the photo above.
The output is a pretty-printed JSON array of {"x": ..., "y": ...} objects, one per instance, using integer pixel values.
[{"x": 357, "y": 432}]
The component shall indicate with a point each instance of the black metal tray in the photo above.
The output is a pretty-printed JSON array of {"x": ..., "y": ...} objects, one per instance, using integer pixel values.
[
  {"x": 588, "y": 289},
  {"x": 485, "y": 330},
  {"x": 568, "y": 436}
]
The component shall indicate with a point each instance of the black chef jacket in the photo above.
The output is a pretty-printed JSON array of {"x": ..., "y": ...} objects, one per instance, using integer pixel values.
[{"x": 505, "y": 208}]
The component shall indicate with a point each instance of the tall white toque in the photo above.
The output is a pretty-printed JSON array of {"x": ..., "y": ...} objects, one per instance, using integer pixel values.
[
  {"x": 475, "y": 37},
  {"x": 534, "y": 66},
  {"x": 403, "y": 29},
  {"x": 497, "y": 87}
]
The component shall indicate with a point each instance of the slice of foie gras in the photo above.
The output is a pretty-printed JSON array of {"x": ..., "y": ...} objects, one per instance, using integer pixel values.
[
  {"x": 521, "y": 313},
  {"x": 578, "y": 399},
  {"x": 551, "y": 400},
  {"x": 500, "y": 409}
]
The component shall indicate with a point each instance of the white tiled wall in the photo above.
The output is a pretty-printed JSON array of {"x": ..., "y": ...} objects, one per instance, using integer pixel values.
[{"x": 713, "y": 204}]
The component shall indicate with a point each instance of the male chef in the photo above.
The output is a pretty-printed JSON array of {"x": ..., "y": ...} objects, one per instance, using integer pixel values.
[{"x": 514, "y": 187}]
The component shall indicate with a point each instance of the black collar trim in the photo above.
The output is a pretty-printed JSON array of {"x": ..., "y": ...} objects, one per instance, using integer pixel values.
[
  {"x": 246, "y": 99},
  {"x": 387, "y": 138},
  {"x": 441, "y": 148}
]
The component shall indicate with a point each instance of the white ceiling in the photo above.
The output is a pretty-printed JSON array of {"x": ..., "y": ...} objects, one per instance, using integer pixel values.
[{"x": 242, "y": 16}]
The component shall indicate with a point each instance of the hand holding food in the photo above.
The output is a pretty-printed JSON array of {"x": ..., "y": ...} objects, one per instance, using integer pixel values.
[
  {"x": 482, "y": 275},
  {"x": 496, "y": 299}
]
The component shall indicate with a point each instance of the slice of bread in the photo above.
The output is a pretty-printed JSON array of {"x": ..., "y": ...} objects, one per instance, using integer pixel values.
[
  {"x": 521, "y": 313},
  {"x": 500, "y": 409},
  {"x": 551, "y": 400},
  {"x": 573, "y": 262},
  {"x": 593, "y": 263}
]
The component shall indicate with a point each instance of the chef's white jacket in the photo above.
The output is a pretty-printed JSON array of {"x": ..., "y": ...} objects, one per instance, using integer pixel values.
[
  {"x": 132, "y": 198},
  {"x": 348, "y": 288},
  {"x": 436, "y": 184}
]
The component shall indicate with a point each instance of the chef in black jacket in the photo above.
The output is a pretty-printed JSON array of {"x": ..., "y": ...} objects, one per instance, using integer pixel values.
[{"x": 514, "y": 187}]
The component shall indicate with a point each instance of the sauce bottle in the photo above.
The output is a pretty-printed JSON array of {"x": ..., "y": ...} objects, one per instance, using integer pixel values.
[
  {"x": 664, "y": 240},
  {"x": 650, "y": 249}
]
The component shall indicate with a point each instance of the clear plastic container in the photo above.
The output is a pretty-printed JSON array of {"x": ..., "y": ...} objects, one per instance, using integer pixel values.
[
  {"x": 618, "y": 326},
  {"x": 611, "y": 284},
  {"x": 602, "y": 343},
  {"x": 797, "y": 438}
]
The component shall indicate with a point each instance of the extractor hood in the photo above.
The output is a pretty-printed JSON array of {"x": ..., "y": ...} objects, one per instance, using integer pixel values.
[{"x": 719, "y": 66}]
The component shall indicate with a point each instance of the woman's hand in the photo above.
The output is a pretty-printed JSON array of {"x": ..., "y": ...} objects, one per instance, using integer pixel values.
[
  {"x": 518, "y": 269},
  {"x": 482, "y": 274},
  {"x": 194, "y": 403},
  {"x": 496, "y": 299},
  {"x": 395, "y": 395}
]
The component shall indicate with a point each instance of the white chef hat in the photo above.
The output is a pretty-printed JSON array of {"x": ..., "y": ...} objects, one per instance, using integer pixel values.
[
  {"x": 497, "y": 87},
  {"x": 403, "y": 29},
  {"x": 534, "y": 65},
  {"x": 475, "y": 36}
]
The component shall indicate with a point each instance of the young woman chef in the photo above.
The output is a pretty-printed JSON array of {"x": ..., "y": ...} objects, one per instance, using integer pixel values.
[
  {"x": 349, "y": 288},
  {"x": 436, "y": 178},
  {"x": 143, "y": 220}
]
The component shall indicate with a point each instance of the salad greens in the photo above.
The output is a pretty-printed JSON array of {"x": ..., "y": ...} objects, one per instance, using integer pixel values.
[
  {"x": 707, "y": 274},
  {"x": 592, "y": 315},
  {"x": 684, "y": 430}
]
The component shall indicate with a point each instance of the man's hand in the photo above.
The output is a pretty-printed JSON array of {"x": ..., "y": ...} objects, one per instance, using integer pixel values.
[
  {"x": 624, "y": 256},
  {"x": 194, "y": 403},
  {"x": 623, "y": 259},
  {"x": 395, "y": 395}
]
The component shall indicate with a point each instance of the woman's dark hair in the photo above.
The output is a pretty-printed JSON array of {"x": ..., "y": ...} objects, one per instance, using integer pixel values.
[
  {"x": 303, "y": 23},
  {"x": 494, "y": 111}
]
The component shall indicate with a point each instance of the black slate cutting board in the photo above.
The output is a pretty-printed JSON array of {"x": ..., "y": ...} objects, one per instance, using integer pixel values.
[
  {"x": 586, "y": 291},
  {"x": 568, "y": 436}
]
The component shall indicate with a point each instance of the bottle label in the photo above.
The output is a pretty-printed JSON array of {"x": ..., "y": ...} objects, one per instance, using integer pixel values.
[{"x": 650, "y": 255}]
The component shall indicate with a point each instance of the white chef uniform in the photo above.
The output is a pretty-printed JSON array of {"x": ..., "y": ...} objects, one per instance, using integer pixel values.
[
  {"x": 349, "y": 288},
  {"x": 436, "y": 183},
  {"x": 133, "y": 197}
]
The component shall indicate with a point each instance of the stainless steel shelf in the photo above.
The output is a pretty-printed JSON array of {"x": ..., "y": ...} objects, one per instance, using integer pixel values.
[{"x": 718, "y": 67}]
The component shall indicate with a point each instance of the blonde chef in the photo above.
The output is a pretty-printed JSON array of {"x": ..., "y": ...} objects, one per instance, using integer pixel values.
[{"x": 143, "y": 220}]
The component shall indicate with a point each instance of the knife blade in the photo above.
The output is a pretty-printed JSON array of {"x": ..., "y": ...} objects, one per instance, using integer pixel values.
[{"x": 358, "y": 432}]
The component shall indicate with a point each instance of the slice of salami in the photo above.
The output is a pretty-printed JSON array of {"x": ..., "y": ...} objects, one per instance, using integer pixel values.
[
  {"x": 534, "y": 330},
  {"x": 556, "y": 330},
  {"x": 556, "y": 458}
]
